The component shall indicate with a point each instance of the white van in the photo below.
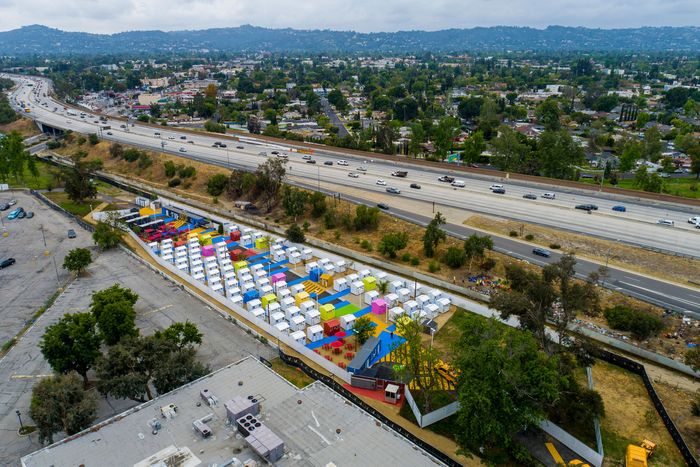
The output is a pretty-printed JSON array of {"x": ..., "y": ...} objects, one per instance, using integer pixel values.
[
  {"x": 549, "y": 195},
  {"x": 458, "y": 183},
  {"x": 496, "y": 186}
]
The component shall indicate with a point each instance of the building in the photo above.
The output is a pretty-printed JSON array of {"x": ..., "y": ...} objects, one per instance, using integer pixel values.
[{"x": 246, "y": 411}]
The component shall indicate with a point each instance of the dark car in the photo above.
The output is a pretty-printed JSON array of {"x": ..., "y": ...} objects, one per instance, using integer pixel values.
[
  {"x": 7, "y": 262},
  {"x": 4, "y": 207},
  {"x": 71, "y": 233},
  {"x": 587, "y": 207},
  {"x": 240, "y": 147},
  {"x": 21, "y": 215},
  {"x": 619, "y": 208},
  {"x": 415, "y": 185},
  {"x": 30, "y": 214},
  {"x": 311, "y": 161},
  {"x": 541, "y": 252},
  {"x": 328, "y": 163},
  {"x": 586, "y": 175},
  {"x": 446, "y": 178},
  {"x": 183, "y": 137},
  {"x": 383, "y": 206},
  {"x": 222, "y": 145},
  {"x": 250, "y": 207},
  {"x": 529, "y": 196},
  {"x": 500, "y": 191}
]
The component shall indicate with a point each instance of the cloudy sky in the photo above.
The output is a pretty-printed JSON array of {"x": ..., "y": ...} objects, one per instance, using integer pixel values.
[{"x": 108, "y": 16}]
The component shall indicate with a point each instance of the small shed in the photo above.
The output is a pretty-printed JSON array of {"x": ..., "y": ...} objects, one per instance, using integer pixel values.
[
  {"x": 347, "y": 322},
  {"x": 256, "y": 267},
  {"x": 378, "y": 306},
  {"x": 323, "y": 261},
  {"x": 396, "y": 313},
  {"x": 268, "y": 299},
  {"x": 314, "y": 333},
  {"x": 381, "y": 276},
  {"x": 250, "y": 295},
  {"x": 371, "y": 296},
  {"x": 370, "y": 283},
  {"x": 247, "y": 287},
  {"x": 278, "y": 255},
  {"x": 331, "y": 326},
  {"x": 283, "y": 327},
  {"x": 340, "y": 266},
  {"x": 340, "y": 284},
  {"x": 306, "y": 253},
  {"x": 254, "y": 303},
  {"x": 235, "y": 235},
  {"x": 233, "y": 291},
  {"x": 258, "y": 313},
  {"x": 326, "y": 280},
  {"x": 299, "y": 337},
  {"x": 434, "y": 295},
  {"x": 217, "y": 287},
  {"x": 262, "y": 243},
  {"x": 208, "y": 250},
  {"x": 357, "y": 288},
  {"x": 411, "y": 307},
  {"x": 443, "y": 304},
  {"x": 237, "y": 300},
  {"x": 283, "y": 293},
  {"x": 352, "y": 278},
  {"x": 291, "y": 312},
  {"x": 404, "y": 295},
  {"x": 315, "y": 274},
  {"x": 297, "y": 323},
  {"x": 246, "y": 240},
  {"x": 287, "y": 302},
  {"x": 297, "y": 288},
  {"x": 238, "y": 265},
  {"x": 327, "y": 311},
  {"x": 307, "y": 305},
  {"x": 391, "y": 299},
  {"x": 278, "y": 277},
  {"x": 295, "y": 258},
  {"x": 301, "y": 297},
  {"x": 364, "y": 273},
  {"x": 267, "y": 290},
  {"x": 310, "y": 266},
  {"x": 312, "y": 317},
  {"x": 392, "y": 394},
  {"x": 329, "y": 270},
  {"x": 274, "y": 307},
  {"x": 198, "y": 276},
  {"x": 276, "y": 318},
  {"x": 431, "y": 310},
  {"x": 422, "y": 300},
  {"x": 279, "y": 285}
]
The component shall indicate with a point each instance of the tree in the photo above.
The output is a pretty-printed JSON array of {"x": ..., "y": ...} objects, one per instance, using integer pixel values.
[
  {"x": 93, "y": 139},
  {"x": 214, "y": 127},
  {"x": 692, "y": 358},
  {"x": 295, "y": 234},
  {"x": 294, "y": 201},
  {"x": 318, "y": 204},
  {"x": 455, "y": 257},
  {"x": 475, "y": 247},
  {"x": 182, "y": 334},
  {"x": 652, "y": 144},
  {"x": 78, "y": 181},
  {"x": 366, "y": 218},
  {"x": 509, "y": 150},
  {"x": 72, "y": 344},
  {"x": 269, "y": 179},
  {"x": 415, "y": 147},
  {"x": 473, "y": 147},
  {"x": 363, "y": 328},
  {"x": 61, "y": 404},
  {"x": 211, "y": 91},
  {"x": 548, "y": 114},
  {"x": 13, "y": 156},
  {"x": 642, "y": 324},
  {"x": 77, "y": 260},
  {"x": 632, "y": 151},
  {"x": 217, "y": 184},
  {"x": 337, "y": 99},
  {"x": 489, "y": 118},
  {"x": 558, "y": 154},
  {"x": 406, "y": 109},
  {"x": 506, "y": 383},
  {"x": 470, "y": 108},
  {"x": 433, "y": 235},
  {"x": 106, "y": 235},
  {"x": 391, "y": 243},
  {"x": 113, "y": 309}
]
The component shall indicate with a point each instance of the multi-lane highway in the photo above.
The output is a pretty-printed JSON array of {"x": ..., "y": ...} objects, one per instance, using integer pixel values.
[{"x": 638, "y": 225}]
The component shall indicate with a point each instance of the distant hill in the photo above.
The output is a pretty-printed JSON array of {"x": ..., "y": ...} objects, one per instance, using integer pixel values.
[{"x": 47, "y": 41}]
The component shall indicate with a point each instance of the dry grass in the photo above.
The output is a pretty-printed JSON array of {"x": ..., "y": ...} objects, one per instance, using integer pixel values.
[
  {"x": 24, "y": 126},
  {"x": 677, "y": 269},
  {"x": 677, "y": 401}
]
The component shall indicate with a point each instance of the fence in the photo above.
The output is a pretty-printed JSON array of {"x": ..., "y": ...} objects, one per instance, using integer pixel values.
[
  {"x": 59, "y": 209},
  {"x": 572, "y": 443},
  {"x": 436, "y": 415},
  {"x": 298, "y": 363}
]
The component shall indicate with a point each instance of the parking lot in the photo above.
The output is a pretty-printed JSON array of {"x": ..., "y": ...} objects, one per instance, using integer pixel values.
[
  {"x": 160, "y": 304},
  {"x": 25, "y": 286}
]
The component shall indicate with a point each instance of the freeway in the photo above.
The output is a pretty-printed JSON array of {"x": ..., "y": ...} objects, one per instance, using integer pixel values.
[{"x": 635, "y": 226}]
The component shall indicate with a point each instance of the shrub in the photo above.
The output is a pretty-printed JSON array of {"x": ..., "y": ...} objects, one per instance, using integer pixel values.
[
  {"x": 642, "y": 324},
  {"x": 433, "y": 266},
  {"x": 81, "y": 140},
  {"x": 93, "y": 139},
  {"x": 488, "y": 264},
  {"x": 217, "y": 184},
  {"x": 306, "y": 226},
  {"x": 366, "y": 218},
  {"x": 170, "y": 168},
  {"x": 145, "y": 161},
  {"x": 529, "y": 237},
  {"x": 53, "y": 144},
  {"x": 415, "y": 261},
  {"x": 329, "y": 220},
  {"x": 131, "y": 155},
  {"x": 336, "y": 234},
  {"x": 513, "y": 233},
  {"x": 554, "y": 246},
  {"x": 455, "y": 257},
  {"x": 392, "y": 242},
  {"x": 366, "y": 245},
  {"x": 174, "y": 182},
  {"x": 295, "y": 234},
  {"x": 186, "y": 172},
  {"x": 406, "y": 257}
]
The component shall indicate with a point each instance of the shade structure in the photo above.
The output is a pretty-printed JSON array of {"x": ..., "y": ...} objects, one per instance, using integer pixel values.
[
  {"x": 340, "y": 334},
  {"x": 336, "y": 344}
]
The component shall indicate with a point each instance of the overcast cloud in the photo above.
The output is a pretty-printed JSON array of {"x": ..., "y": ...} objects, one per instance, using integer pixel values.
[{"x": 109, "y": 16}]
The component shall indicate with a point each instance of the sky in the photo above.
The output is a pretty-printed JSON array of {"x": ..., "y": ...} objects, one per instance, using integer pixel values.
[{"x": 109, "y": 16}]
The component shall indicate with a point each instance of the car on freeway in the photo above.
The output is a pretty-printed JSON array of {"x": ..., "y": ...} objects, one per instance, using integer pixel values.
[
  {"x": 71, "y": 233},
  {"x": 191, "y": 142},
  {"x": 586, "y": 207},
  {"x": 415, "y": 186},
  {"x": 275, "y": 153},
  {"x": 306, "y": 157},
  {"x": 342, "y": 162},
  {"x": 328, "y": 163},
  {"x": 311, "y": 161},
  {"x": 109, "y": 133},
  {"x": 549, "y": 195},
  {"x": 500, "y": 191},
  {"x": 171, "y": 137},
  {"x": 183, "y": 137},
  {"x": 215, "y": 145},
  {"x": 541, "y": 252},
  {"x": 495, "y": 186},
  {"x": 222, "y": 145},
  {"x": 381, "y": 182},
  {"x": 529, "y": 196},
  {"x": 694, "y": 220},
  {"x": 665, "y": 222},
  {"x": 240, "y": 147},
  {"x": 122, "y": 126},
  {"x": 361, "y": 169},
  {"x": 353, "y": 175},
  {"x": 7, "y": 263},
  {"x": 458, "y": 184},
  {"x": 393, "y": 189},
  {"x": 383, "y": 206},
  {"x": 619, "y": 208},
  {"x": 30, "y": 214},
  {"x": 182, "y": 149},
  {"x": 446, "y": 179}
]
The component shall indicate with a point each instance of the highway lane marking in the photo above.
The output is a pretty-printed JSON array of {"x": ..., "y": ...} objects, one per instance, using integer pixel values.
[
  {"x": 631, "y": 279},
  {"x": 661, "y": 294}
]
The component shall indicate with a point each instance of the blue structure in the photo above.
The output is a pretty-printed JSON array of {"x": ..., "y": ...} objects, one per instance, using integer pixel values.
[
  {"x": 315, "y": 274},
  {"x": 250, "y": 295},
  {"x": 363, "y": 358}
]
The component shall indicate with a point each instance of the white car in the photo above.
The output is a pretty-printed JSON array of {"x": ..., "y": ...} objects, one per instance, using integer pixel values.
[
  {"x": 496, "y": 186},
  {"x": 694, "y": 220},
  {"x": 361, "y": 169},
  {"x": 381, "y": 182},
  {"x": 344, "y": 163},
  {"x": 306, "y": 157},
  {"x": 353, "y": 175},
  {"x": 183, "y": 150},
  {"x": 666, "y": 222}
]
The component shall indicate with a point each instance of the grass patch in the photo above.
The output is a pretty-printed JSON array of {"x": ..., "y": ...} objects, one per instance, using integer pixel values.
[
  {"x": 446, "y": 427},
  {"x": 292, "y": 374},
  {"x": 688, "y": 187},
  {"x": 41, "y": 182},
  {"x": 72, "y": 207},
  {"x": 26, "y": 430}
]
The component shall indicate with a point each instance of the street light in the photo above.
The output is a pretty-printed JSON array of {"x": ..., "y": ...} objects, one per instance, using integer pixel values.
[{"x": 21, "y": 427}]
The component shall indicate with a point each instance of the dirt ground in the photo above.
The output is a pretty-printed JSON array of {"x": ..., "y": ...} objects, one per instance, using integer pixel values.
[
  {"x": 677, "y": 401},
  {"x": 651, "y": 263},
  {"x": 23, "y": 125}
]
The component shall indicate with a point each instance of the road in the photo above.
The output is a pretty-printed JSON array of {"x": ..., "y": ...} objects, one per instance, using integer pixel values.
[{"x": 636, "y": 226}]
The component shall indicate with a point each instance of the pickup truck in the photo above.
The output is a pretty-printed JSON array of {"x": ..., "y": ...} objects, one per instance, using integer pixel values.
[{"x": 399, "y": 173}]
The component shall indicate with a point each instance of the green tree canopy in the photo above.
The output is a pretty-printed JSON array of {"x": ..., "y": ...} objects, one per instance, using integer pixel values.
[
  {"x": 433, "y": 235},
  {"x": 106, "y": 235},
  {"x": 113, "y": 309},
  {"x": 77, "y": 260},
  {"x": 72, "y": 344}
]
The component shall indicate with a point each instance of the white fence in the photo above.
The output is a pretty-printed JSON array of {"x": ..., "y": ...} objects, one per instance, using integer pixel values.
[
  {"x": 431, "y": 417},
  {"x": 572, "y": 443}
]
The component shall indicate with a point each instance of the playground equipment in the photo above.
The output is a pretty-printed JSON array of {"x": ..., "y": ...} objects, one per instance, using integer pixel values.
[{"x": 446, "y": 371}]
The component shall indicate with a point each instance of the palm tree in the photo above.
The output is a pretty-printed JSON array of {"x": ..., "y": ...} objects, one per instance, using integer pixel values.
[{"x": 383, "y": 287}]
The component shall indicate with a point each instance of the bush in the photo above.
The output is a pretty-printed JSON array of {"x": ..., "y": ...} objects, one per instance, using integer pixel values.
[
  {"x": 295, "y": 234},
  {"x": 642, "y": 324},
  {"x": 392, "y": 242},
  {"x": 406, "y": 257},
  {"x": 433, "y": 266},
  {"x": 145, "y": 161},
  {"x": 131, "y": 155},
  {"x": 53, "y": 144},
  {"x": 170, "y": 168},
  {"x": 93, "y": 139},
  {"x": 186, "y": 172},
  {"x": 329, "y": 220},
  {"x": 81, "y": 140},
  {"x": 306, "y": 226},
  {"x": 529, "y": 237},
  {"x": 366, "y": 218},
  {"x": 214, "y": 127},
  {"x": 455, "y": 257},
  {"x": 513, "y": 233},
  {"x": 488, "y": 264},
  {"x": 415, "y": 261},
  {"x": 554, "y": 246},
  {"x": 366, "y": 245},
  {"x": 217, "y": 184},
  {"x": 174, "y": 182}
]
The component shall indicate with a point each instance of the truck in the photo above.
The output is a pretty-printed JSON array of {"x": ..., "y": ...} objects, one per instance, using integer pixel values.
[{"x": 399, "y": 173}]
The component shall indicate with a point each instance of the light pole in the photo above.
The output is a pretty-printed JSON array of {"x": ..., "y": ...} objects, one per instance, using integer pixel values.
[{"x": 21, "y": 427}]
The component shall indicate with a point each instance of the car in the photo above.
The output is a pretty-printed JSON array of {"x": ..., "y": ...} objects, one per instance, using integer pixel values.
[
  {"x": 240, "y": 147},
  {"x": 529, "y": 196},
  {"x": 4, "y": 207},
  {"x": 694, "y": 220},
  {"x": 306, "y": 157},
  {"x": 500, "y": 191},
  {"x": 383, "y": 206},
  {"x": 262, "y": 153},
  {"x": 182, "y": 149},
  {"x": 342, "y": 162},
  {"x": 549, "y": 195},
  {"x": 109, "y": 133},
  {"x": 328, "y": 163},
  {"x": 311, "y": 161},
  {"x": 21, "y": 215},
  {"x": 458, "y": 184},
  {"x": 154, "y": 134},
  {"x": 393, "y": 189},
  {"x": 183, "y": 137},
  {"x": 415, "y": 185},
  {"x": 495, "y": 186},
  {"x": 71, "y": 233},
  {"x": 30, "y": 214},
  {"x": 6, "y": 263},
  {"x": 446, "y": 178},
  {"x": 275, "y": 153},
  {"x": 215, "y": 145},
  {"x": 541, "y": 252},
  {"x": 191, "y": 142},
  {"x": 361, "y": 169},
  {"x": 250, "y": 207},
  {"x": 171, "y": 137},
  {"x": 665, "y": 222},
  {"x": 586, "y": 175},
  {"x": 619, "y": 208},
  {"x": 122, "y": 126},
  {"x": 353, "y": 175},
  {"x": 381, "y": 182},
  {"x": 222, "y": 145},
  {"x": 14, "y": 214},
  {"x": 587, "y": 207},
  {"x": 12, "y": 202}
]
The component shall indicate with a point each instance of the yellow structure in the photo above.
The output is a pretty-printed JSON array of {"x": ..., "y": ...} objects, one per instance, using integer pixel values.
[
  {"x": 636, "y": 456},
  {"x": 267, "y": 299},
  {"x": 240, "y": 265},
  {"x": 327, "y": 312},
  {"x": 205, "y": 239},
  {"x": 262, "y": 243},
  {"x": 300, "y": 298},
  {"x": 370, "y": 283},
  {"x": 326, "y": 280},
  {"x": 146, "y": 212}
]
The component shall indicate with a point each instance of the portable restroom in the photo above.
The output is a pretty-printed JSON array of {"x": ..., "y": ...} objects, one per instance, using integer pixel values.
[
  {"x": 235, "y": 235},
  {"x": 411, "y": 307},
  {"x": 326, "y": 281},
  {"x": 278, "y": 277},
  {"x": 237, "y": 300},
  {"x": 307, "y": 305},
  {"x": 183, "y": 266},
  {"x": 357, "y": 288},
  {"x": 340, "y": 284},
  {"x": 370, "y": 297},
  {"x": 314, "y": 333},
  {"x": 217, "y": 287},
  {"x": 295, "y": 258},
  {"x": 287, "y": 302},
  {"x": 391, "y": 299},
  {"x": 370, "y": 283},
  {"x": 208, "y": 250},
  {"x": 246, "y": 240},
  {"x": 315, "y": 274},
  {"x": 267, "y": 299},
  {"x": 262, "y": 243},
  {"x": 283, "y": 327},
  {"x": 283, "y": 293},
  {"x": 276, "y": 318},
  {"x": 347, "y": 322},
  {"x": 395, "y": 286},
  {"x": 395, "y": 313},
  {"x": 198, "y": 275},
  {"x": 312, "y": 317},
  {"x": 297, "y": 323},
  {"x": 291, "y": 312},
  {"x": 168, "y": 257},
  {"x": 255, "y": 268},
  {"x": 238, "y": 265},
  {"x": 327, "y": 311},
  {"x": 340, "y": 266},
  {"x": 254, "y": 303},
  {"x": 301, "y": 297},
  {"x": 278, "y": 255},
  {"x": 443, "y": 304},
  {"x": 381, "y": 276},
  {"x": 299, "y": 337},
  {"x": 250, "y": 295},
  {"x": 297, "y": 289},
  {"x": 434, "y": 295},
  {"x": 379, "y": 306},
  {"x": 310, "y": 266},
  {"x": 267, "y": 290},
  {"x": 332, "y": 326},
  {"x": 306, "y": 253},
  {"x": 352, "y": 278},
  {"x": 404, "y": 295},
  {"x": 258, "y": 313},
  {"x": 431, "y": 310},
  {"x": 247, "y": 286},
  {"x": 280, "y": 285},
  {"x": 422, "y": 300},
  {"x": 364, "y": 273},
  {"x": 232, "y": 291}
]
